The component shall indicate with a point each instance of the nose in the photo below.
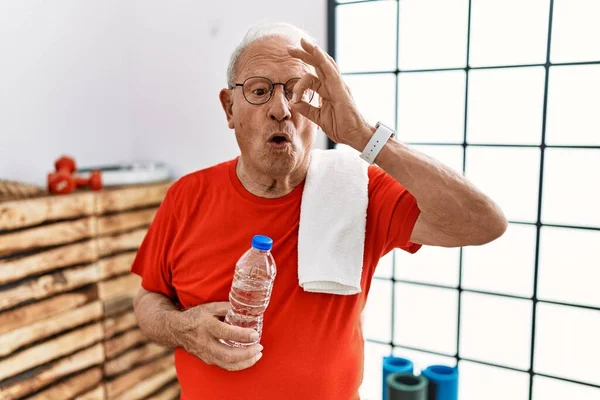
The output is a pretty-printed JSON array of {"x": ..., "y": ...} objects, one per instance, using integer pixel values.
[{"x": 279, "y": 106}]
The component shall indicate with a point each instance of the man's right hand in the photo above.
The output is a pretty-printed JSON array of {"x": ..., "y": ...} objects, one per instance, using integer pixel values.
[{"x": 202, "y": 329}]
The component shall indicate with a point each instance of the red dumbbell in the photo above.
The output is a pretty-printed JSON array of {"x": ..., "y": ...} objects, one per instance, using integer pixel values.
[
  {"x": 94, "y": 182},
  {"x": 63, "y": 181}
]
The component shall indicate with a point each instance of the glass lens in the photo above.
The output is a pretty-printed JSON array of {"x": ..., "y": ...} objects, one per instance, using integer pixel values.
[
  {"x": 257, "y": 90},
  {"x": 307, "y": 96}
]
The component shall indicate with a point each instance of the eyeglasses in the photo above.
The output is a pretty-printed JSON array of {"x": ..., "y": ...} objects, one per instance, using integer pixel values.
[{"x": 258, "y": 90}]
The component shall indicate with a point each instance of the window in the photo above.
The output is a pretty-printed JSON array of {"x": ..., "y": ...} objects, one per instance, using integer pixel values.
[{"x": 506, "y": 92}]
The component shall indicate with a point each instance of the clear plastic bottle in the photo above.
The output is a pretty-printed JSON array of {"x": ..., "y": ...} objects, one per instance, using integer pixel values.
[{"x": 251, "y": 288}]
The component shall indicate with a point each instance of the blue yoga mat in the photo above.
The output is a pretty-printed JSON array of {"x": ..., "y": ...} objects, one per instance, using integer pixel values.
[
  {"x": 392, "y": 365},
  {"x": 443, "y": 382}
]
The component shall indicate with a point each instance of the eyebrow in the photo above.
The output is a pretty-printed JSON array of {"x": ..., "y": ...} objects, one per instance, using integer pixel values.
[{"x": 270, "y": 78}]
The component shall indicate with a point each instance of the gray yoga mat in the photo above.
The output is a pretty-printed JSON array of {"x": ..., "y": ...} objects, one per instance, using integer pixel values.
[{"x": 407, "y": 387}]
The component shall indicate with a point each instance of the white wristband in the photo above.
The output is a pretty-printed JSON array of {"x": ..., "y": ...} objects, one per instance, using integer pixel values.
[{"x": 382, "y": 134}]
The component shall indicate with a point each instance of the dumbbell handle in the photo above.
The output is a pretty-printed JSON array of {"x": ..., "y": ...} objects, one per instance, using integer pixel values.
[{"x": 94, "y": 181}]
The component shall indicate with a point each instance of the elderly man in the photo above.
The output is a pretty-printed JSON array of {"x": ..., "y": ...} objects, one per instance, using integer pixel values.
[{"x": 312, "y": 344}]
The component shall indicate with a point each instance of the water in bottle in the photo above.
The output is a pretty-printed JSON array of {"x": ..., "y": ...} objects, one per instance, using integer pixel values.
[{"x": 251, "y": 288}]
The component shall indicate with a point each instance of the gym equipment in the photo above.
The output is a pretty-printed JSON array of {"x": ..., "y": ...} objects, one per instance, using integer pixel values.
[
  {"x": 403, "y": 386},
  {"x": 135, "y": 173},
  {"x": 63, "y": 181},
  {"x": 392, "y": 365},
  {"x": 443, "y": 382}
]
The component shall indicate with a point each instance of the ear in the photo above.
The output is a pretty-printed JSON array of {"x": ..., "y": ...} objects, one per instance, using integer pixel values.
[{"x": 226, "y": 97}]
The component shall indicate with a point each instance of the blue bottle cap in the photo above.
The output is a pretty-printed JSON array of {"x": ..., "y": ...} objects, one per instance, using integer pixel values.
[{"x": 261, "y": 242}]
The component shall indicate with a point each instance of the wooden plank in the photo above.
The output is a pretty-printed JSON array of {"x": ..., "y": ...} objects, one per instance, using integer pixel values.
[
  {"x": 13, "y": 190},
  {"x": 169, "y": 393},
  {"x": 71, "y": 387},
  {"x": 118, "y": 324},
  {"x": 47, "y": 285},
  {"x": 130, "y": 379},
  {"x": 23, "y": 213},
  {"x": 126, "y": 241},
  {"x": 124, "y": 285},
  {"x": 20, "y": 386},
  {"x": 11, "y": 341},
  {"x": 125, "y": 221},
  {"x": 117, "y": 306},
  {"x": 116, "y": 265},
  {"x": 131, "y": 197},
  {"x": 121, "y": 343},
  {"x": 29, "y": 314},
  {"x": 149, "y": 385},
  {"x": 19, "y": 268},
  {"x": 132, "y": 357},
  {"x": 47, "y": 235},
  {"x": 50, "y": 350},
  {"x": 95, "y": 394}
]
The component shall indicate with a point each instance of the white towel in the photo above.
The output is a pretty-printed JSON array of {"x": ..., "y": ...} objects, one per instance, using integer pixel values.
[{"x": 333, "y": 218}]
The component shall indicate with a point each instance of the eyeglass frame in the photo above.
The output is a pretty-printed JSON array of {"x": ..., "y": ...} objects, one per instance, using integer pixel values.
[{"x": 273, "y": 85}]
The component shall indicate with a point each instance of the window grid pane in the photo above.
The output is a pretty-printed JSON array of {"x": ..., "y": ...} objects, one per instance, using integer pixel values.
[{"x": 535, "y": 54}]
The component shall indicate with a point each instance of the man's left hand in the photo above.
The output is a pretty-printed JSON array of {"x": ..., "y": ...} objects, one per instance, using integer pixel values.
[{"x": 337, "y": 115}]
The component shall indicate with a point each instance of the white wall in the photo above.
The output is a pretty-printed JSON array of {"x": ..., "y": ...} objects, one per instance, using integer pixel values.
[
  {"x": 180, "y": 54},
  {"x": 64, "y": 78},
  {"x": 109, "y": 81}
]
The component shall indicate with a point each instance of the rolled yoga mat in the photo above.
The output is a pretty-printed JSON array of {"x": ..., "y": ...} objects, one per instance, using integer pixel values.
[
  {"x": 391, "y": 365},
  {"x": 407, "y": 387},
  {"x": 443, "y": 382}
]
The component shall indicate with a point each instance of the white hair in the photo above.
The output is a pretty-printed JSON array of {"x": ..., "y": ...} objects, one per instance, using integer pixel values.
[{"x": 261, "y": 31}]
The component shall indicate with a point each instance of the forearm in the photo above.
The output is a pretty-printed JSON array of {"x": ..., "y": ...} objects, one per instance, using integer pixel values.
[
  {"x": 158, "y": 318},
  {"x": 447, "y": 200}
]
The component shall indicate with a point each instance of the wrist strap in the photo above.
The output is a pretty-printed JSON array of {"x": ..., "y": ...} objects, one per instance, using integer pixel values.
[{"x": 382, "y": 134}]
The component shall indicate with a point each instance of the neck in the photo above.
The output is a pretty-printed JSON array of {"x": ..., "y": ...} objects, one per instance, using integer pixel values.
[{"x": 264, "y": 185}]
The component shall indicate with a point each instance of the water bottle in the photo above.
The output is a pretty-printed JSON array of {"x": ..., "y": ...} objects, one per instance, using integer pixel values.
[{"x": 251, "y": 288}]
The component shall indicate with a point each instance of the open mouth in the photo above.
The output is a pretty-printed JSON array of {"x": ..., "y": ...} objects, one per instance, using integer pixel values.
[{"x": 278, "y": 140}]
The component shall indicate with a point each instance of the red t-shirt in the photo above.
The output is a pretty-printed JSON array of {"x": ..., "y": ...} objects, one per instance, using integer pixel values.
[{"x": 313, "y": 342}]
